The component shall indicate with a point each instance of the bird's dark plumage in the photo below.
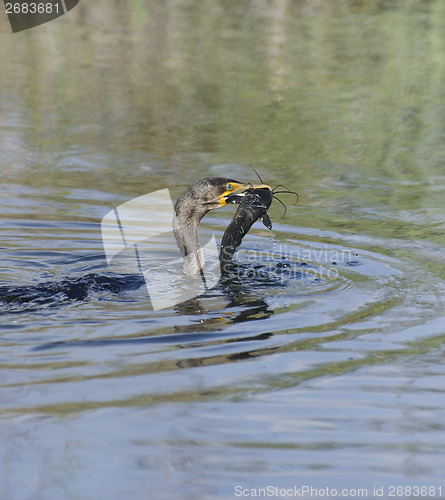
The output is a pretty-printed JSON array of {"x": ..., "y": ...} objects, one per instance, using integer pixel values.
[{"x": 205, "y": 195}]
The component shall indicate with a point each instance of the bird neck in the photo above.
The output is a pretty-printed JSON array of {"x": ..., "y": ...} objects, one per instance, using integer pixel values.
[{"x": 185, "y": 228}]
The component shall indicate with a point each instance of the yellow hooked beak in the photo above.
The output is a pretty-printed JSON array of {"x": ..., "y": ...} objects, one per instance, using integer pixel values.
[{"x": 236, "y": 190}]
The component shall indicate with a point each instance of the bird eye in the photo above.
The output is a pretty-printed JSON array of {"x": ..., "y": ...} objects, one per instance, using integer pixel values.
[{"x": 229, "y": 187}]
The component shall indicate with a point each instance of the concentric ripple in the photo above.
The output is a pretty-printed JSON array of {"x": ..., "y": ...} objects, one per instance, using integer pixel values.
[
  {"x": 308, "y": 320},
  {"x": 308, "y": 302}
]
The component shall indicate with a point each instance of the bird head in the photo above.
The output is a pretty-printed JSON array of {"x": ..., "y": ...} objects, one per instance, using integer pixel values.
[
  {"x": 235, "y": 191},
  {"x": 211, "y": 193}
]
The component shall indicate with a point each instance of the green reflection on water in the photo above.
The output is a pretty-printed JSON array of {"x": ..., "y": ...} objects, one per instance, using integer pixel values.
[{"x": 342, "y": 102}]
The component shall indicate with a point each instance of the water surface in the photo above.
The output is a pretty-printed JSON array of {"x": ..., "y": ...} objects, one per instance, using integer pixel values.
[{"x": 321, "y": 362}]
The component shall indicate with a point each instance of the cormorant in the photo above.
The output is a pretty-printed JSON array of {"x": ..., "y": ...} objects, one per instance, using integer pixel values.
[{"x": 199, "y": 198}]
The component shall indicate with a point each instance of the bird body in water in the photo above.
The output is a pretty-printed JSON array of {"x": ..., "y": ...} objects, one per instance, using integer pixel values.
[
  {"x": 201, "y": 197},
  {"x": 198, "y": 199}
]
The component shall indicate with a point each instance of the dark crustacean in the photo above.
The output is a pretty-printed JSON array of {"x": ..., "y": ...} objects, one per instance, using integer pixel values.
[{"x": 253, "y": 205}]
